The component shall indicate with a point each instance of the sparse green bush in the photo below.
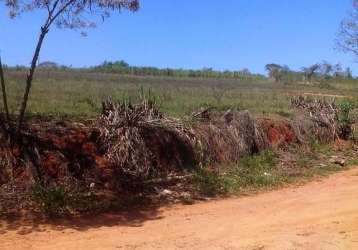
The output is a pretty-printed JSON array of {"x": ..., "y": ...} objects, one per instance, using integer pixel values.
[
  {"x": 345, "y": 119},
  {"x": 250, "y": 172},
  {"x": 51, "y": 199},
  {"x": 210, "y": 183},
  {"x": 254, "y": 172},
  {"x": 345, "y": 108}
]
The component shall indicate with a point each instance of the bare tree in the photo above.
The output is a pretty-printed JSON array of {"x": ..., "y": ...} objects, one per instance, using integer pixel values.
[
  {"x": 326, "y": 69},
  {"x": 348, "y": 73},
  {"x": 337, "y": 70},
  {"x": 72, "y": 14},
  {"x": 347, "y": 39}
]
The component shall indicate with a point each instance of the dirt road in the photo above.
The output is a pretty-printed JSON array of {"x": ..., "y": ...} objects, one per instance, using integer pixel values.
[{"x": 320, "y": 215}]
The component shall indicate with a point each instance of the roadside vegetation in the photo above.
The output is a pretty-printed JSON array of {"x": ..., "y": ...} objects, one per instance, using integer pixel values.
[
  {"x": 76, "y": 141},
  {"x": 91, "y": 166},
  {"x": 77, "y": 95},
  {"x": 265, "y": 171}
]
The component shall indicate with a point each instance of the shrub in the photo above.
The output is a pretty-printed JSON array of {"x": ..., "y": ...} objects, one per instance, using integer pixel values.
[
  {"x": 51, "y": 200},
  {"x": 254, "y": 171},
  {"x": 345, "y": 119},
  {"x": 210, "y": 183}
]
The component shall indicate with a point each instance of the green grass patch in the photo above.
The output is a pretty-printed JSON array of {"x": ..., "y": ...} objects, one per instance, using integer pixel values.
[
  {"x": 264, "y": 171},
  {"x": 251, "y": 172}
]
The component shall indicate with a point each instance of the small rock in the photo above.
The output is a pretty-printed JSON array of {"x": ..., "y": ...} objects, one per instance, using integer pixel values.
[
  {"x": 187, "y": 198},
  {"x": 185, "y": 195},
  {"x": 166, "y": 192},
  {"x": 340, "y": 162},
  {"x": 337, "y": 161}
]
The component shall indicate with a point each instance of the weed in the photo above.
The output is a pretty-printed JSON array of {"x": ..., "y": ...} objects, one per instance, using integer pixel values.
[
  {"x": 209, "y": 183},
  {"x": 254, "y": 172},
  {"x": 303, "y": 161},
  {"x": 345, "y": 119},
  {"x": 51, "y": 199},
  {"x": 250, "y": 172}
]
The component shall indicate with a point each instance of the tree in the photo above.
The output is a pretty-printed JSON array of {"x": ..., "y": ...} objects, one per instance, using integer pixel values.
[
  {"x": 310, "y": 71},
  {"x": 71, "y": 14},
  {"x": 326, "y": 69},
  {"x": 337, "y": 70},
  {"x": 48, "y": 65},
  {"x": 245, "y": 72},
  {"x": 347, "y": 39},
  {"x": 348, "y": 73},
  {"x": 275, "y": 71}
]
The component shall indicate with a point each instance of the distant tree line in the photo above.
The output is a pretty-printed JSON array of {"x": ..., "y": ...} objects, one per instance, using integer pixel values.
[
  {"x": 310, "y": 74},
  {"x": 124, "y": 68},
  {"x": 49, "y": 65},
  {"x": 276, "y": 72}
]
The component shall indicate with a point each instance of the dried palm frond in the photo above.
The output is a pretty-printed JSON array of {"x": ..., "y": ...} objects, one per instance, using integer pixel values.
[
  {"x": 133, "y": 138},
  {"x": 323, "y": 116}
]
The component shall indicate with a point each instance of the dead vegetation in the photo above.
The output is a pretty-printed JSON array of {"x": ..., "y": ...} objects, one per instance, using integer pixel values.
[
  {"x": 138, "y": 142},
  {"x": 226, "y": 137},
  {"x": 324, "y": 116}
]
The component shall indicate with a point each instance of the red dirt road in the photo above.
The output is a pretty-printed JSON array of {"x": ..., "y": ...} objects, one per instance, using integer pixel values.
[{"x": 319, "y": 215}]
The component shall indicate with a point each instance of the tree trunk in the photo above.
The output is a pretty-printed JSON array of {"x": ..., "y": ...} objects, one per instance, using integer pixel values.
[
  {"x": 30, "y": 75},
  {"x": 4, "y": 95}
]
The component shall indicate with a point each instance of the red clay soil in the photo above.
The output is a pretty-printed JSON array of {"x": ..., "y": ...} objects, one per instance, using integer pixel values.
[
  {"x": 278, "y": 132},
  {"x": 322, "y": 214},
  {"x": 63, "y": 146}
]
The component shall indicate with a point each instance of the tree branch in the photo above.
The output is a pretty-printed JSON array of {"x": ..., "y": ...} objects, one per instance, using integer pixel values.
[{"x": 59, "y": 12}]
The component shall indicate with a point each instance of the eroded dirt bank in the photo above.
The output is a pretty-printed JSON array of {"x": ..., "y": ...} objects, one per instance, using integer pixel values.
[{"x": 319, "y": 215}]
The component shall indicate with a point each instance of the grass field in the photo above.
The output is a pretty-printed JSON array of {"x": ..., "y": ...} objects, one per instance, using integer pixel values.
[{"x": 79, "y": 93}]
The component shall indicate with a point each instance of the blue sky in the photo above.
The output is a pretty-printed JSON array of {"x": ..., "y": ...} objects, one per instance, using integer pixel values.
[{"x": 230, "y": 34}]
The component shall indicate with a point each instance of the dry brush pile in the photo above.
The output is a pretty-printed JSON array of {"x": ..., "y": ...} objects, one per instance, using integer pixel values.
[{"x": 130, "y": 143}]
